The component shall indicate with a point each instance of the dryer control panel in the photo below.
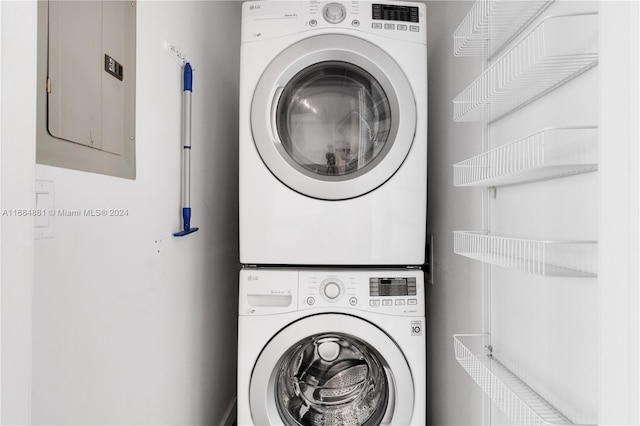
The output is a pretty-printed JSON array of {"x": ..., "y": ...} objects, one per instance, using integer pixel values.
[
  {"x": 391, "y": 292},
  {"x": 263, "y": 20}
]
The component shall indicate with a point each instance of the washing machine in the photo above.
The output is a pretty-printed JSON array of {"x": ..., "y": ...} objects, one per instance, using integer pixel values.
[
  {"x": 331, "y": 347},
  {"x": 333, "y": 133}
]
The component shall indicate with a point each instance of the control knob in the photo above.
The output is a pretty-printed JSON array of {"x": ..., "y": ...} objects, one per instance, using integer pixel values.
[
  {"x": 331, "y": 289},
  {"x": 334, "y": 13}
]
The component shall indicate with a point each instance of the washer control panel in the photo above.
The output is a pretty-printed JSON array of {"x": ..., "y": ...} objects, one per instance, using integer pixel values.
[
  {"x": 402, "y": 20},
  {"x": 276, "y": 291},
  {"x": 393, "y": 292}
]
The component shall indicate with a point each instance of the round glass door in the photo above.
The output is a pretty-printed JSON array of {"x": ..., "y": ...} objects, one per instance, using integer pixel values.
[
  {"x": 331, "y": 379},
  {"x": 333, "y": 117},
  {"x": 314, "y": 373},
  {"x": 334, "y": 120}
]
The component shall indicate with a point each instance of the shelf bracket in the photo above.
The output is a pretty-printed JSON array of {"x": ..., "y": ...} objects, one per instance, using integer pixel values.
[{"x": 493, "y": 192}]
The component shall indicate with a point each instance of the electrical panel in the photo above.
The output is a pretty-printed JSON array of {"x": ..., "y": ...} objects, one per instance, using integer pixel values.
[{"x": 86, "y": 105}]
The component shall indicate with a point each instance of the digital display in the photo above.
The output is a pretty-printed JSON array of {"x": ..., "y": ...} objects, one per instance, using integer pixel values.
[
  {"x": 382, "y": 287},
  {"x": 388, "y": 12},
  {"x": 393, "y": 287}
]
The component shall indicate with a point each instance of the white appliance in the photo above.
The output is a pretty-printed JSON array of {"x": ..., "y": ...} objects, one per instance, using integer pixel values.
[
  {"x": 340, "y": 347},
  {"x": 333, "y": 133}
]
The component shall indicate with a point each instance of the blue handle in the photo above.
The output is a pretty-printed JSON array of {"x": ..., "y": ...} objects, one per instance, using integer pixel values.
[
  {"x": 186, "y": 218},
  {"x": 188, "y": 77}
]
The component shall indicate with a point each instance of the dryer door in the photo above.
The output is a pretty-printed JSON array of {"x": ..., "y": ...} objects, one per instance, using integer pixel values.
[
  {"x": 331, "y": 369},
  {"x": 333, "y": 117}
]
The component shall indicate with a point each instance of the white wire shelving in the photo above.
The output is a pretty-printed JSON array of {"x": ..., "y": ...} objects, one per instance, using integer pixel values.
[
  {"x": 547, "y": 154},
  {"x": 555, "y": 51},
  {"x": 544, "y": 258},
  {"x": 491, "y": 24},
  {"x": 512, "y": 395}
]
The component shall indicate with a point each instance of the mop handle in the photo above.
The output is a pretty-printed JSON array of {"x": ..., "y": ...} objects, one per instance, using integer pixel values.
[{"x": 186, "y": 145}]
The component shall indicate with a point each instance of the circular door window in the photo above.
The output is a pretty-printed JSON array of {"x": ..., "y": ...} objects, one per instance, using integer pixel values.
[
  {"x": 333, "y": 117},
  {"x": 331, "y": 379},
  {"x": 334, "y": 120},
  {"x": 314, "y": 373}
]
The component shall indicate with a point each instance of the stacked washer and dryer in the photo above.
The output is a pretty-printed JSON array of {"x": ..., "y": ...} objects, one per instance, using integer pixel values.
[{"x": 333, "y": 159}]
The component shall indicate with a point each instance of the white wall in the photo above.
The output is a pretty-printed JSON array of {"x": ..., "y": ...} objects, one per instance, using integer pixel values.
[
  {"x": 544, "y": 328},
  {"x": 619, "y": 193},
  {"x": 559, "y": 361},
  {"x": 575, "y": 341},
  {"x": 18, "y": 158},
  {"x": 132, "y": 325},
  {"x": 454, "y": 302}
]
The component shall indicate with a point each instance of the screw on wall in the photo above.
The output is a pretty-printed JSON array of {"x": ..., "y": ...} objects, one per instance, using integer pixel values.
[{"x": 176, "y": 53}]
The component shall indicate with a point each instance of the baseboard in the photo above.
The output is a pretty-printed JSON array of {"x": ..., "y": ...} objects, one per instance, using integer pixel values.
[{"x": 229, "y": 418}]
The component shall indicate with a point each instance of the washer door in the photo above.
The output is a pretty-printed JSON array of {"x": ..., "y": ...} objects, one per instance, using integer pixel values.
[
  {"x": 314, "y": 373},
  {"x": 333, "y": 117}
]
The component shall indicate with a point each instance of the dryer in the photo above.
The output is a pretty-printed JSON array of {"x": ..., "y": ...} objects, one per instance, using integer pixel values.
[
  {"x": 333, "y": 133},
  {"x": 331, "y": 347}
]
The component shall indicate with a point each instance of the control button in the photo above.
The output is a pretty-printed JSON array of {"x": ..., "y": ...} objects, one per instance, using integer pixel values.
[
  {"x": 355, "y": 23},
  {"x": 399, "y": 301},
  {"x": 353, "y": 301},
  {"x": 334, "y": 13},
  {"x": 412, "y": 302},
  {"x": 402, "y": 27},
  {"x": 313, "y": 23},
  {"x": 387, "y": 302},
  {"x": 310, "y": 300},
  {"x": 376, "y": 26},
  {"x": 332, "y": 290},
  {"x": 374, "y": 303},
  {"x": 389, "y": 26},
  {"x": 414, "y": 28}
]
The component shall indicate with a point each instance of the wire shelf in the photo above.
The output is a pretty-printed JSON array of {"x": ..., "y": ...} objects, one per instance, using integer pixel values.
[
  {"x": 547, "y": 154},
  {"x": 557, "y": 50},
  {"x": 491, "y": 24},
  {"x": 513, "y": 396},
  {"x": 544, "y": 258}
]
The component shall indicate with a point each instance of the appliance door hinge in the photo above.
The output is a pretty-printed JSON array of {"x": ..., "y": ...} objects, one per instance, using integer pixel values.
[{"x": 48, "y": 85}]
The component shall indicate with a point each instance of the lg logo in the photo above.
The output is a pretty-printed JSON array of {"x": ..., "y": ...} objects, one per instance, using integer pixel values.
[
  {"x": 252, "y": 278},
  {"x": 416, "y": 328},
  {"x": 254, "y": 7}
]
